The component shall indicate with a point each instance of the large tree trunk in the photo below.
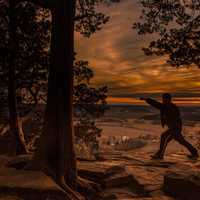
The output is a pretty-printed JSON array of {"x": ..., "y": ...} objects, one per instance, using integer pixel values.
[
  {"x": 55, "y": 153},
  {"x": 19, "y": 146}
]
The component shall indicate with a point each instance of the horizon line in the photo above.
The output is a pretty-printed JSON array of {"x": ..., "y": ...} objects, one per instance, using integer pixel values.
[{"x": 136, "y": 101}]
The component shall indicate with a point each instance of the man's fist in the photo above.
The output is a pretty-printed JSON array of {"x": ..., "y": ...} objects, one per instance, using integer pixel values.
[{"x": 142, "y": 98}]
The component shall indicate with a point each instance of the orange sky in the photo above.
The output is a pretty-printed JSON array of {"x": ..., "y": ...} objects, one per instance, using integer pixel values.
[
  {"x": 127, "y": 100},
  {"x": 116, "y": 57}
]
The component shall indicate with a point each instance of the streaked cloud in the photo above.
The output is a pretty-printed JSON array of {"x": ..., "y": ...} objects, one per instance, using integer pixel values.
[{"x": 116, "y": 57}]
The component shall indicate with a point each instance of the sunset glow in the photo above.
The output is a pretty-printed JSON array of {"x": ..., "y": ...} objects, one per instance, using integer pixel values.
[
  {"x": 115, "y": 55},
  {"x": 136, "y": 101}
]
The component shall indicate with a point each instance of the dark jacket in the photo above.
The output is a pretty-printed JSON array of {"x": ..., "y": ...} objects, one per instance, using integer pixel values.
[{"x": 170, "y": 114}]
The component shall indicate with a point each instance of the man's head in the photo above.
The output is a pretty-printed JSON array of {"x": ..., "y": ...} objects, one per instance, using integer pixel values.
[{"x": 166, "y": 98}]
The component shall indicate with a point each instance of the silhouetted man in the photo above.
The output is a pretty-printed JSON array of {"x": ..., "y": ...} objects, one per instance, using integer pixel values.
[{"x": 170, "y": 116}]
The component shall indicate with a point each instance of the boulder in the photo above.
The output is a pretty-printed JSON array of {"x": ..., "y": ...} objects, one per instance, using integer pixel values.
[{"x": 184, "y": 185}]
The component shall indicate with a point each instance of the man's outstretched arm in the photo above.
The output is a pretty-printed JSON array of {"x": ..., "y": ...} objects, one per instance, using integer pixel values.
[{"x": 152, "y": 102}]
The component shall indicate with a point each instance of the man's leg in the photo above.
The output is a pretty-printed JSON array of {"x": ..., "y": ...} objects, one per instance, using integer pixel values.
[
  {"x": 180, "y": 138},
  {"x": 166, "y": 137}
]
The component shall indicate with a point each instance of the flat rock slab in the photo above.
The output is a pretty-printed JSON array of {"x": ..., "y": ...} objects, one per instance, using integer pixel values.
[
  {"x": 184, "y": 185},
  {"x": 29, "y": 183},
  {"x": 149, "y": 177},
  {"x": 92, "y": 170},
  {"x": 118, "y": 180},
  {"x": 97, "y": 171}
]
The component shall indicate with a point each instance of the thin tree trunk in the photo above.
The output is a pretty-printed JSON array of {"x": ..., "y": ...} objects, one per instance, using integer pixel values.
[
  {"x": 55, "y": 152},
  {"x": 19, "y": 146}
]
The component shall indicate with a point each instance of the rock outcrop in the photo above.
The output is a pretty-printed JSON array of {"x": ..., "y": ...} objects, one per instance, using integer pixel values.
[
  {"x": 29, "y": 185},
  {"x": 183, "y": 185}
]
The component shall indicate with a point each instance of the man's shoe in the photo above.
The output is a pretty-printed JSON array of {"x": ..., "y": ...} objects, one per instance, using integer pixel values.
[{"x": 157, "y": 157}]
